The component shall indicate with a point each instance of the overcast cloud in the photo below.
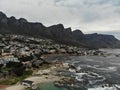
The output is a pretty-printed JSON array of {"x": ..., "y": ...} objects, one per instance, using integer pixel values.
[{"x": 87, "y": 15}]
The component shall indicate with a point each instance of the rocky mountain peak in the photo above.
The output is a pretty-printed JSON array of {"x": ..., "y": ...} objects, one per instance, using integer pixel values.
[
  {"x": 57, "y": 27},
  {"x": 13, "y": 21},
  {"x": 2, "y": 15},
  {"x": 69, "y": 30},
  {"x": 77, "y": 31},
  {"x": 60, "y": 26},
  {"x": 3, "y": 18},
  {"x": 22, "y": 20},
  {"x": 12, "y": 18}
]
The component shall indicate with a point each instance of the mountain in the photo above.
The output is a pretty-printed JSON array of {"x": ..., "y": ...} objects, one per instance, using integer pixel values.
[{"x": 11, "y": 25}]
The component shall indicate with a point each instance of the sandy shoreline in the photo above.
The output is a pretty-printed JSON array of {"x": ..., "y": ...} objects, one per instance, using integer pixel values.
[
  {"x": 43, "y": 79},
  {"x": 41, "y": 76},
  {"x": 15, "y": 87}
]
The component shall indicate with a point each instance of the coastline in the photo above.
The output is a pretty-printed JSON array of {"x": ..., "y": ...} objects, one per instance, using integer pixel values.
[
  {"x": 46, "y": 75},
  {"x": 41, "y": 76}
]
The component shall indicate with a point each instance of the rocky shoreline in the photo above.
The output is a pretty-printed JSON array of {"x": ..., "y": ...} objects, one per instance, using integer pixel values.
[
  {"x": 28, "y": 53},
  {"x": 56, "y": 74}
]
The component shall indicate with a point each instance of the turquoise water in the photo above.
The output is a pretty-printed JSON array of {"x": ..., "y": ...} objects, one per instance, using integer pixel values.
[{"x": 49, "y": 86}]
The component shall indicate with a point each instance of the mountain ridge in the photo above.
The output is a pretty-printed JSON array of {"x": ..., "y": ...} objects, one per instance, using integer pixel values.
[{"x": 58, "y": 33}]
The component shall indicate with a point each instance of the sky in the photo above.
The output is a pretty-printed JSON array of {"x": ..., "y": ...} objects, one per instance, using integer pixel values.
[{"x": 102, "y": 16}]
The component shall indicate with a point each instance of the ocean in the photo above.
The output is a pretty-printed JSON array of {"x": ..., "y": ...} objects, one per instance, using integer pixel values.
[{"x": 100, "y": 72}]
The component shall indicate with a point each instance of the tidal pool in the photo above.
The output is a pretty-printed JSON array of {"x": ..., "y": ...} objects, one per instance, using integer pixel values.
[{"x": 49, "y": 86}]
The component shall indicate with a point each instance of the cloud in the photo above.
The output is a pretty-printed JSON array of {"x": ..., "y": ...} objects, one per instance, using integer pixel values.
[
  {"x": 96, "y": 15},
  {"x": 87, "y": 15}
]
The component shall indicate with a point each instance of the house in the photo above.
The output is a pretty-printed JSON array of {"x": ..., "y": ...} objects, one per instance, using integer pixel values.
[
  {"x": 52, "y": 51},
  {"x": 62, "y": 50},
  {"x": 2, "y": 45},
  {"x": 10, "y": 59},
  {"x": 37, "y": 63},
  {"x": 27, "y": 83}
]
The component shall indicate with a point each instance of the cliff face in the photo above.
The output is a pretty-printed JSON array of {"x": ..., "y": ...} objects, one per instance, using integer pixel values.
[{"x": 56, "y": 32}]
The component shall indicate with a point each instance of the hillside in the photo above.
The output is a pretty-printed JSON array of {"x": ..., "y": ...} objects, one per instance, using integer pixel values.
[{"x": 11, "y": 25}]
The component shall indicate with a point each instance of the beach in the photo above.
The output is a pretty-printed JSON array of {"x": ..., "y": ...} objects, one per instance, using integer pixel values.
[
  {"x": 41, "y": 76},
  {"x": 15, "y": 87}
]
